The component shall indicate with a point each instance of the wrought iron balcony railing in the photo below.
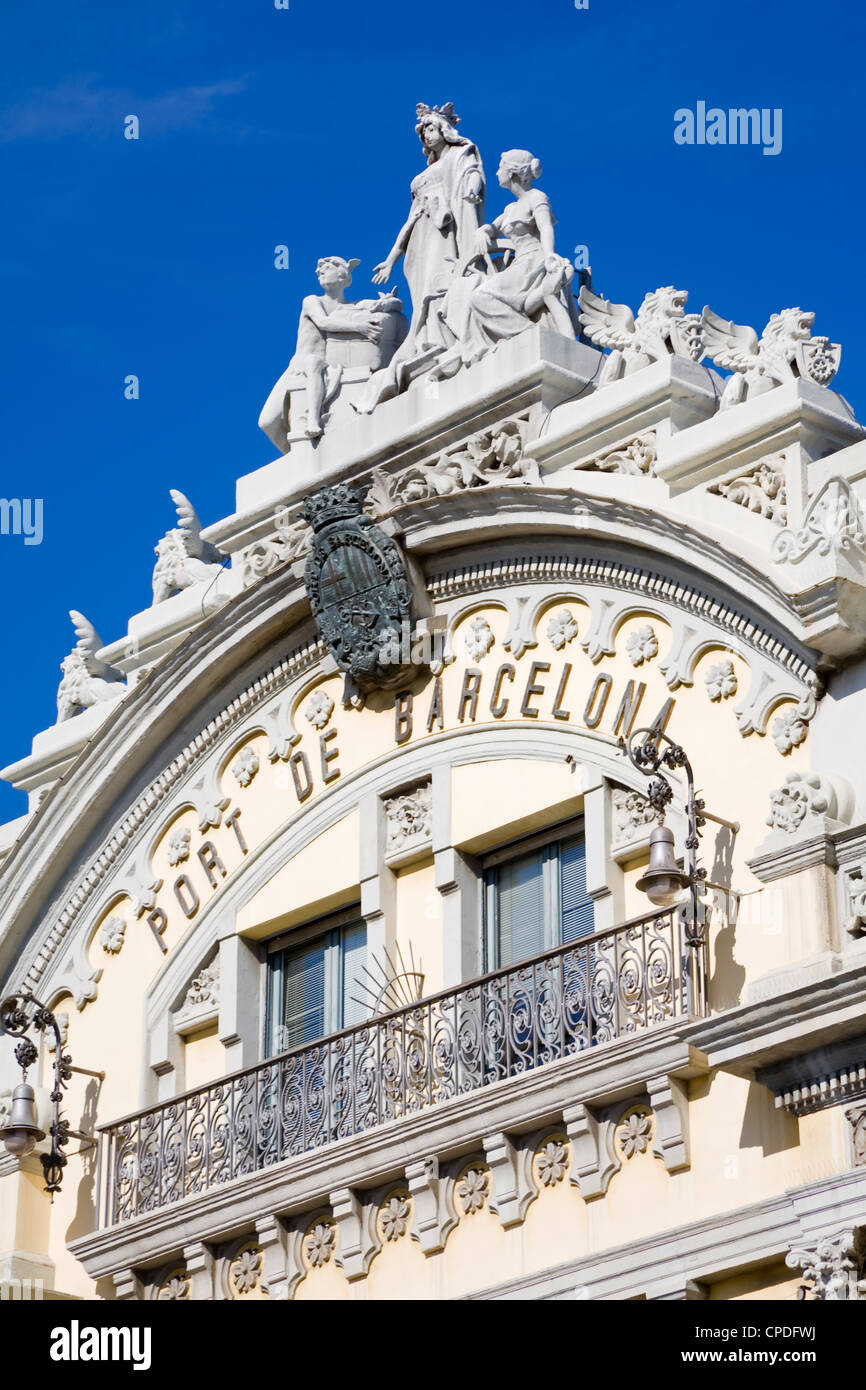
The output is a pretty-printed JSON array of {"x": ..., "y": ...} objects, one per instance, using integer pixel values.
[{"x": 607, "y": 986}]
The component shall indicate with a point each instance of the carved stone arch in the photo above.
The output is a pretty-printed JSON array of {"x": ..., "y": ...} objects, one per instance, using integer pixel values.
[
  {"x": 544, "y": 599},
  {"x": 459, "y": 610},
  {"x": 640, "y": 609}
]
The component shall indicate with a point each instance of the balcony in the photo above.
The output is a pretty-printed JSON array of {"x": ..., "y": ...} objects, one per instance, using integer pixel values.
[{"x": 505, "y": 1025}]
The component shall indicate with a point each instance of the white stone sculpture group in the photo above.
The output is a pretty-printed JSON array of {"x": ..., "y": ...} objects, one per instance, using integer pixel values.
[{"x": 474, "y": 284}]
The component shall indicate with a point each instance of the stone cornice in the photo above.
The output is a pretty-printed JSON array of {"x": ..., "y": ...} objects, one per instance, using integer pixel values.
[
  {"x": 823, "y": 1004},
  {"x": 661, "y": 1265}
]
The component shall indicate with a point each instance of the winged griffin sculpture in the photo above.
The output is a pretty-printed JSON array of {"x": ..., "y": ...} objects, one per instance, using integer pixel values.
[
  {"x": 86, "y": 680},
  {"x": 182, "y": 557},
  {"x": 660, "y": 329},
  {"x": 785, "y": 350}
]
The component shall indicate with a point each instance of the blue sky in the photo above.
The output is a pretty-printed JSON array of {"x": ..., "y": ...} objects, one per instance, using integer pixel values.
[{"x": 262, "y": 127}]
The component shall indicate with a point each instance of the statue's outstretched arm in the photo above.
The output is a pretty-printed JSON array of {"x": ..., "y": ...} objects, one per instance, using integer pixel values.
[{"x": 382, "y": 271}]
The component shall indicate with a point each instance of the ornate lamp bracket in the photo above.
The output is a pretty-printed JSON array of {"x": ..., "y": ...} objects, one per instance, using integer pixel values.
[
  {"x": 650, "y": 750},
  {"x": 20, "y": 1013}
]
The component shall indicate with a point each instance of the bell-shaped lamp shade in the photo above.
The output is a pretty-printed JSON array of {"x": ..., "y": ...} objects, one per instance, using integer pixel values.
[
  {"x": 22, "y": 1132},
  {"x": 663, "y": 881}
]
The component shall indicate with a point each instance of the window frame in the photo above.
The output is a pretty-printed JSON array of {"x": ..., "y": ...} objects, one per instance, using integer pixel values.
[
  {"x": 545, "y": 840},
  {"x": 329, "y": 930}
]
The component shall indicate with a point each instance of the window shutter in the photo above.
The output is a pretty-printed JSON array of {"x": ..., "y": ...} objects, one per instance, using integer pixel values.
[
  {"x": 521, "y": 908},
  {"x": 576, "y": 906},
  {"x": 303, "y": 1011},
  {"x": 354, "y": 958}
]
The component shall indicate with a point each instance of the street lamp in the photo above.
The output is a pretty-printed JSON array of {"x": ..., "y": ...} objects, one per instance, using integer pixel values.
[
  {"x": 22, "y": 1133},
  {"x": 664, "y": 881}
]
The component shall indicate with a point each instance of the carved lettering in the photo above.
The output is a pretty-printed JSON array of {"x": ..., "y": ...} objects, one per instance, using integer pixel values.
[
  {"x": 434, "y": 714},
  {"x": 233, "y": 820},
  {"x": 328, "y": 755},
  {"x": 597, "y": 701},
  {"x": 469, "y": 693},
  {"x": 557, "y": 711},
  {"x": 301, "y": 775},
  {"x": 538, "y": 668},
  {"x": 403, "y": 716},
  {"x": 498, "y": 703},
  {"x": 211, "y": 863},
  {"x": 184, "y": 891},
  {"x": 629, "y": 706},
  {"x": 157, "y": 921}
]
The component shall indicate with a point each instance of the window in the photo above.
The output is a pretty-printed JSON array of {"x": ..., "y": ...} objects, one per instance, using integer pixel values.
[
  {"x": 314, "y": 984},
  {"x": 535, "y": 897}
]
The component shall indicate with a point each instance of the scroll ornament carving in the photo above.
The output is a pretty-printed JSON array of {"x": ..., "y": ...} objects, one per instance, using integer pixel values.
[
  {"x": 86, "y": 681},
  {"x": 562, "y": 629},
  {"x": 290, "y": 542},
  {"x": 804, "y": 794},
  {"x": 790, "y": 730},
  {"x": 409, "y": 819},
  {"x": 635, "y": 459},
  {"x": 111, "y": 935},
  {"x": 659, "y": 329},
  {"x": 631, "y": 812},
  {"x": 784, "y": 352},
  {"x": 178, "y": 845},
  {"x": 319, "y": 709},
  {"x": 833, "y": 524},
  {"x": 488, "y": 458},
  {"x": 642, "y": 645},
  {"x": 182, "y": 557},
  {"x": 478, "y": 639},
  {"x": 473, "y": 1190},
  {"x": 246, "y": 766},
  {"x": 761, "y": 489},
  {"x": 721, "y": 680},
  {"x": 320, "y": 1244},
  {"x": 835, "y": 1266},
  {"x": 204, "y": 990}
]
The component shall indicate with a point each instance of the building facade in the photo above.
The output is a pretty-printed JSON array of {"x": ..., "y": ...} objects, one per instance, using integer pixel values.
[{"x": 333, "y": 869}]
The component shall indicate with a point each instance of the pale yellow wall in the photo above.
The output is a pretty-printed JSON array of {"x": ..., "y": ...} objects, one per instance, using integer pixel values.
[
  {"x": 323, "y": 876},
  {"x": 419, "y": 921},
  {"x": 775, "y": 1283},
  {"x": 494, "y": 802},
  {"x": 203, "y": 1058},
  {"x": 742, "y": 1150}
]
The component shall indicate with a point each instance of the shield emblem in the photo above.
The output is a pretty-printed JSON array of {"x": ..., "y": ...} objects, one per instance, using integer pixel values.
[
  {"x": 358, "y": 588},
  {"x": 818, "y": 360}
]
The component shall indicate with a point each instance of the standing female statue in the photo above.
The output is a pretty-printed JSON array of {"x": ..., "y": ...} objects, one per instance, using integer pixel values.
[
  {"x": 534, "y": 285},
  {"x": 439, "y": 233}
]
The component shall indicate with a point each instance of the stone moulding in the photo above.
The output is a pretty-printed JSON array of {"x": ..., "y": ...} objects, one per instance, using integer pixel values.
[
  {"x": 464, "y": 580},
  {"x": 519, "y": 1105}
]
